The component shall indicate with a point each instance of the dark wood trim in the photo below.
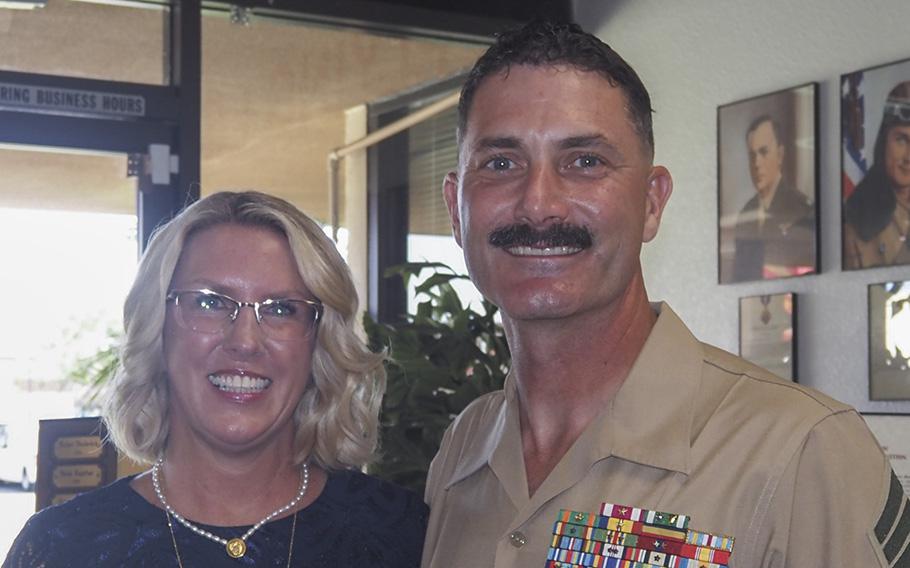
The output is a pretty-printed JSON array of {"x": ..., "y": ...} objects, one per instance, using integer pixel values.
[
  {"x": 388, "y": 220},
  {"x": 186, "y": 76},
  {"x": 82, "y": 133},
  {"x": 473, "y": 21}
]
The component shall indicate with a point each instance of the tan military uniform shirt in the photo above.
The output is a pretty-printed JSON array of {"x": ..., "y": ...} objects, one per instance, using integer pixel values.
[
  {"x": 888, "y": 247},
  {"x": 795, "y": 477}
]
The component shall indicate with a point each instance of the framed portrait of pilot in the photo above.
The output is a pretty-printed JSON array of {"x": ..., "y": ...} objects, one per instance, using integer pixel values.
[
  {"x": 767, "y": 332},
  {"x": 767, "y": 179},
  {"x": 889, "y": 341},
  {"x": 875, "y": 166}
]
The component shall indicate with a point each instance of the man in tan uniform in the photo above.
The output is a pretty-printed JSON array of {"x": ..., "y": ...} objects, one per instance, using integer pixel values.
[{"x": 611, "y": 400}]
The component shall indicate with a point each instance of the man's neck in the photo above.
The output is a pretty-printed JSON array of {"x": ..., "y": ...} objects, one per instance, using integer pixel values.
[{"x": 567, "y": 372}]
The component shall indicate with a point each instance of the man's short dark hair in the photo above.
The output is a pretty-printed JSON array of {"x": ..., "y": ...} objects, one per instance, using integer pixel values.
[
  {"x": 775, "y": 127},
  {"x": 542, "y": 43}
]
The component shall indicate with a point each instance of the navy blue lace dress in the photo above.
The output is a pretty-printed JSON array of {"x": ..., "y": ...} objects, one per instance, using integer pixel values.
[{"x": 357, "y": 521}]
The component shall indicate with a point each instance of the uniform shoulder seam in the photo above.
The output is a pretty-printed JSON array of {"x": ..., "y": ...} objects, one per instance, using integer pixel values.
[{"x": 832, "y": 406}]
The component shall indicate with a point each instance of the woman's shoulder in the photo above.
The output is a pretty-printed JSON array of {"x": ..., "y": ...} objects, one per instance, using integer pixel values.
[
  {"x": 364, "y": 521},
  {"x": 91, "y": 506},
  {"x": 61, "y": 534},
  {"x": 373, "y": 504},
  {"x": 350, "y": 488}
]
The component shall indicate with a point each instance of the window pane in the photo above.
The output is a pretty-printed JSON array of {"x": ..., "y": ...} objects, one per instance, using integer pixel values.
[
  {"x": 437, "y": 248},
  {"x": 432, "y": 153},
  {"x": 274, "y": 96},
  {"x": 70, "y": 181},
  {"x": 68, "y": 251},
  {"x": 91, "y": 41}
]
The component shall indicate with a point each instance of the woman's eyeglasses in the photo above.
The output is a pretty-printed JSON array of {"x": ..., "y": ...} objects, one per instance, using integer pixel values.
[{"x": 283, "y": 319}]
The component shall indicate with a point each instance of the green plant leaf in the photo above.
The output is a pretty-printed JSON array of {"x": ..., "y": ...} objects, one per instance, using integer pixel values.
[{"x": 444, "y": 356}]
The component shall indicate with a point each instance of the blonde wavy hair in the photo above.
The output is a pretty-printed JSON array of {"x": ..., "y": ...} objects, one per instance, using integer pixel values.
[{"x": 337, "y": 416}]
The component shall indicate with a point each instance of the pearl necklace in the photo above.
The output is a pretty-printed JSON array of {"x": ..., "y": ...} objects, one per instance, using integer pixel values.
[{"x": 236, "y": 547}]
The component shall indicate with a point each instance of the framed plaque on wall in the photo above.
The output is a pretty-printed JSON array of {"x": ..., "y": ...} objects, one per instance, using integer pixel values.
[
  {"x": 72, "y": 458},
  {"x": 889, "y": 341},
  {"x": 767, "y": 332}
]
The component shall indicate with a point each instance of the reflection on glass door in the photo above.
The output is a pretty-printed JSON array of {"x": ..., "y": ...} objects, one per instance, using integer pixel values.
[{"x": 68, "y": 251}]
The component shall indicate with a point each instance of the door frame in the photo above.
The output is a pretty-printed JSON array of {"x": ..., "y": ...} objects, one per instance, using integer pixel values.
[{"x": 169, "y": 118}]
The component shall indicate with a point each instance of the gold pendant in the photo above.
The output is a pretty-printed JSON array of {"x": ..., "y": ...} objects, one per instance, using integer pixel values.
[{"x": 236, "y": 548}]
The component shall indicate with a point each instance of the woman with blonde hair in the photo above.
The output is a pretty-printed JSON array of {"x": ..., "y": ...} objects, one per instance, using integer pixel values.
[{"x": 245, "y": 386}]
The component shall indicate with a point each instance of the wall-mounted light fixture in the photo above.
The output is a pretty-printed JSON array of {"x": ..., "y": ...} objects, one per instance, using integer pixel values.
[{"x": 241, "y": 15}]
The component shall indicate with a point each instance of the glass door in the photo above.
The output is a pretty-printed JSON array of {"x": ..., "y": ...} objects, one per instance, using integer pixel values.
[{"x": 68, "y": 248}]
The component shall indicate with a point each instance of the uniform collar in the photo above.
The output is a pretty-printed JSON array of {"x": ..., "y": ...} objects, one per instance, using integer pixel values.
[
  {"x": 648, "y": 422},
  {"x": 764, "y": 203},
  {"x": 652, "y": 414}
]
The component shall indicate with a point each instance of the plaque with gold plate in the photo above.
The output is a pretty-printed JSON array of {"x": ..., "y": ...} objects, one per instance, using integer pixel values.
[{"x": 72, "y": 458}]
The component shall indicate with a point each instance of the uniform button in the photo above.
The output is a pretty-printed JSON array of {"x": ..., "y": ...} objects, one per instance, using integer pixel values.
[{"x": 518, "y": 539}]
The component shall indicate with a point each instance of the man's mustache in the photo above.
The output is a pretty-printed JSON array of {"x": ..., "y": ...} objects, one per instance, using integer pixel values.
[{"x": 558, "y": 235}]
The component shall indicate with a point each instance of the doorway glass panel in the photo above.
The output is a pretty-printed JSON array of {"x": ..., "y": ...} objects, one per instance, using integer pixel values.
[
  {"x": 86, "y": 40},
  {"x": 274, "y": 95},
  {"x": 68, "y": 251}
]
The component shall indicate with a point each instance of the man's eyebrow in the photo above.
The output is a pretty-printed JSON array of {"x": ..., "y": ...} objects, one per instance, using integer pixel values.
[
  {"x": 583, "y": 141},
  {"x": 580, "y": 141},
  {"x": 497, "y": 142},
  {"x": 591, "y": 141}
]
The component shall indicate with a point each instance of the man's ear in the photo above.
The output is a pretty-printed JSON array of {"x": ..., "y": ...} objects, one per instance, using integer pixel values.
[
  {"x": 660, "y": 186},
  {"x": 450, "y": 194}
]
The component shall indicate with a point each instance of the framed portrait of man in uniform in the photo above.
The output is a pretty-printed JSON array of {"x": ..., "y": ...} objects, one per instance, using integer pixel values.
[
  {"x": 875, "y": 166},
  {"x": 889, "y": 341},
  {"x": 767, "y": 332},
  {"x": 767, "y": 178}
]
